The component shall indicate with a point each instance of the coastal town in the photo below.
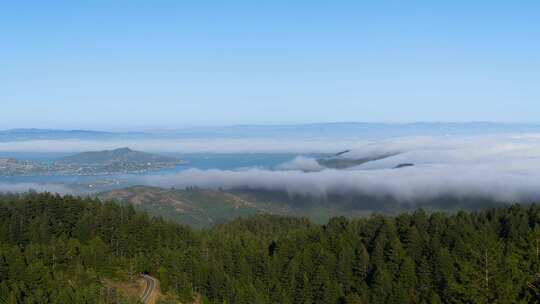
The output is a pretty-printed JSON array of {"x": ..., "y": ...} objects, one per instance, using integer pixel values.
[{"x": 91, "y": 163}]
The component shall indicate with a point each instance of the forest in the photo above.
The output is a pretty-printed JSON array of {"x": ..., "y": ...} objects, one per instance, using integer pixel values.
[{"x": 60, "y": 249}]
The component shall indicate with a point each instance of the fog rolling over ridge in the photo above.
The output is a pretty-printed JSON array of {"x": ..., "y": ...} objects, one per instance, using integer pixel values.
[
  {"x": 503, "y": 165},
  {"x": 499, "y": 167}
]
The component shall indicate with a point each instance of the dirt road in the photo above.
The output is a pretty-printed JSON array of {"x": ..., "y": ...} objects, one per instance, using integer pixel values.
[{"x": 150, "y": 290}]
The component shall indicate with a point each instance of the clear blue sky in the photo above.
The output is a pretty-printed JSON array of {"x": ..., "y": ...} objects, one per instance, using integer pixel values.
[{"x": 148, "y": 64}]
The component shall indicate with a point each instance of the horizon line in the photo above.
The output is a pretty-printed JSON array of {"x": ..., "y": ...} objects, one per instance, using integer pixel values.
[{"x": 179, "y": 128}]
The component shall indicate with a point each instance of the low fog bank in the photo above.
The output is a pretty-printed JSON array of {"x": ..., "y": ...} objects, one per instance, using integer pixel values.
[
  {"x": 499, "y": 168},
  {"x": 359, "y": 147},
  {"x": 502, "y": 168},
  {"x": 405, "y": 185},
  {"x": 252, "y": 145}
]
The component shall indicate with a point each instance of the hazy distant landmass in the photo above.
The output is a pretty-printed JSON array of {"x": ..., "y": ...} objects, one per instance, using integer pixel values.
[
  {"x": 123, "y": 160},
  {"x": 344, "y": 160},
  {"x": 53, "y": 134},
  {"x": 121, "y": 155},
  {"x": 320, "y": 130},
  {"x": 15, "y": 167}
]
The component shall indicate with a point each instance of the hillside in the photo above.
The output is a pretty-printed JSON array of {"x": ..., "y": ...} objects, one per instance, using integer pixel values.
[
  {"x": 194, "y": 207},
  {"x": 205, "y": 208},
  {"x": 57, "y": 249},
  {"x": 202, "y": 208},
  {"x": 347, "y": 159},
  {"x": 121, "y": 155},
  {"x": 12, "y": 166},
  {"x": 122, "y": 160}
]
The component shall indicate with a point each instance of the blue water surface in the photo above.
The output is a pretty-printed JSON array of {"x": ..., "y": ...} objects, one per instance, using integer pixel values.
[{"x": 202, "y": 161}]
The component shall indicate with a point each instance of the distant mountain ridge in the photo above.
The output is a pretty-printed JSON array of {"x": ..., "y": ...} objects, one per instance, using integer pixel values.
[
  {"x": 53, "y": 134},
  {"x": 318, "y": 130}
]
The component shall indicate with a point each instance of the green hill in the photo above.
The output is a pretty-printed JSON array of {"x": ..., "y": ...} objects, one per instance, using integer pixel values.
[
  {"x": 122, "y": 155},
  {"x": 202, "y": 208},
  {"x": 195, "y": 207}
]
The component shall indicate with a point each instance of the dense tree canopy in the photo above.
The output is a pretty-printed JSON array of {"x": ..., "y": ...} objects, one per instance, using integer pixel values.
[{"x": 57, "y": 249}]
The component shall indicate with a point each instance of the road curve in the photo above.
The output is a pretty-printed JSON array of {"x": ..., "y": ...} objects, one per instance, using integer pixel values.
[{"x": 149, "y": 289}]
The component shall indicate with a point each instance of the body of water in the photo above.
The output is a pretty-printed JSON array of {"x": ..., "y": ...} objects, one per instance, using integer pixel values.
[{"x": 202, "y": 161}]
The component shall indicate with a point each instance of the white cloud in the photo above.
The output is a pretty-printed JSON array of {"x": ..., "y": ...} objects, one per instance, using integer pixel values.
[
  {"x": 251, "y": 145},
  {"x": 503, "y": 167},
  {"x": 499, "y": 167},
  {"x": 301, "y": 163}
]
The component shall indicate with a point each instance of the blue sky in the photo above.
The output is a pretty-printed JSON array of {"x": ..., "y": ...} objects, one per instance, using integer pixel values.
[{"x": 165, "y": 64}]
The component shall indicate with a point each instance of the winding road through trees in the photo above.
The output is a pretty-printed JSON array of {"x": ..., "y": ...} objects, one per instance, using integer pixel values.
[{"x": 150, "y": 288}]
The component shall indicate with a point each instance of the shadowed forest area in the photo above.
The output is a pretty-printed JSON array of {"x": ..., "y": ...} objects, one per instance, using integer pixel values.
[{"x": 56, "y": 249}]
